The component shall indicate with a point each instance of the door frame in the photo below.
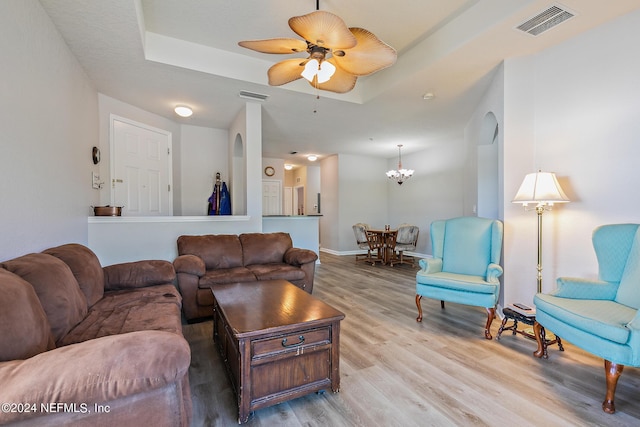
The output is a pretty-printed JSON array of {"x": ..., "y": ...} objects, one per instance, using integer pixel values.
[{"x": 112, "y": 156}]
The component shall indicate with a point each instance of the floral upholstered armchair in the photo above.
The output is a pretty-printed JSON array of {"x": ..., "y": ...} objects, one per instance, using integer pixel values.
[{"x": 601, "y": 315}]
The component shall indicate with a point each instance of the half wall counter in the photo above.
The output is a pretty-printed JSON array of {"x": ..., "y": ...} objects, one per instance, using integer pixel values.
[{"x": 127, "y": 238}]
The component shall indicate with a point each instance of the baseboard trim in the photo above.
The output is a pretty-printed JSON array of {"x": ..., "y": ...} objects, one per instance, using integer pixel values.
[{"x": 356, "y": 252}]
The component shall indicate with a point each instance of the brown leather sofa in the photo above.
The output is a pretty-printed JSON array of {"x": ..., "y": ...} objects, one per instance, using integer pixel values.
[
  {"x": 84, "y": 345},
  {"x": 209, "y": 260}
]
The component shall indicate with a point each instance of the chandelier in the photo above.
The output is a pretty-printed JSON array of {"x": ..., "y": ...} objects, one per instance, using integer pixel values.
[{"x": 400, "y": 175}]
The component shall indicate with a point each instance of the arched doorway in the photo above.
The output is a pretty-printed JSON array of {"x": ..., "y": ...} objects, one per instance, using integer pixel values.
[{"x": 488, "y": 202}]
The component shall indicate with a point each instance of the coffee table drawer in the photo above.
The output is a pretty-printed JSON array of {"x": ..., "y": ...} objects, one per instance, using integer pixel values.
[{"x": 296, "y": 342}]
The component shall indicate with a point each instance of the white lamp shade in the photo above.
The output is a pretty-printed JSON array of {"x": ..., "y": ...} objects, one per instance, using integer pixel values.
[
  {"x": 540, "y": 188},
  {"x": 310, "y": 70},
  {"x": 323, "y": 70}
]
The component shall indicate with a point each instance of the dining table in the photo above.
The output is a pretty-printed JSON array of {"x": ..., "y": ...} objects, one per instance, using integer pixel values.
[{"x": 388, "y": 237}]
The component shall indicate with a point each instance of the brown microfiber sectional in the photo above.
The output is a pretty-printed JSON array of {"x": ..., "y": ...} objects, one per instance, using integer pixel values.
[{"x": 84, "y": 345}]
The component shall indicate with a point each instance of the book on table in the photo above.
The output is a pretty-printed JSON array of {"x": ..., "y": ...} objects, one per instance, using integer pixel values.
[{"x": 524, "y": 309}]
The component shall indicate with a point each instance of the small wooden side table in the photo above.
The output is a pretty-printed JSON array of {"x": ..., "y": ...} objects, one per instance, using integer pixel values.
[{"x": 527, "y": 320}]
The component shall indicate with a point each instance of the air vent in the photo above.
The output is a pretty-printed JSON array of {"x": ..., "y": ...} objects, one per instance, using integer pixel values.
[
  {"x": 252, "y": 95},
  {"x": 546, "y": 20}
]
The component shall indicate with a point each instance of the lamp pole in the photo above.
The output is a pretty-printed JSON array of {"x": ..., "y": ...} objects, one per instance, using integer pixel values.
[{"x": 539, "y": 211}]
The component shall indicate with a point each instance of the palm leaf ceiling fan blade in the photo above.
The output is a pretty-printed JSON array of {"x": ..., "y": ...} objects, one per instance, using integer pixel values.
[
  {"x": 353, "y": 51},
  {"x": 323, "y": 29},
  {"x": 370, "y": 54},
  {"x": 286, "y": 71},
  {"x": 279, "y": 45},
  {"x": 340, "y": 82}
]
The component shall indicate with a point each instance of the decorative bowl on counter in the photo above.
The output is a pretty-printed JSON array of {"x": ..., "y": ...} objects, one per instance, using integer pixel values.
[{"x": 107, "y": 210}]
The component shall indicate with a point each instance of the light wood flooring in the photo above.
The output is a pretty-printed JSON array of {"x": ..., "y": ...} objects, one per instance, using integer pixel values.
[{"x": 441, "y": 372}]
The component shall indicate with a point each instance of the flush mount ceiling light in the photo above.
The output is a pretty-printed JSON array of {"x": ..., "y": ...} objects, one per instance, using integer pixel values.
[
  {"x": 183, "y": 111},
  {"x": 288, "y": 167},
  {"x": 337, "y": 55},
  {"x": 312, "y": 157}
]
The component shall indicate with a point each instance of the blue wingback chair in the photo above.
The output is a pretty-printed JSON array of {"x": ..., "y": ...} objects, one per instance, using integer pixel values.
[
  {"x": 600, "y": 316},
  {"x": 465, "y": 266}
]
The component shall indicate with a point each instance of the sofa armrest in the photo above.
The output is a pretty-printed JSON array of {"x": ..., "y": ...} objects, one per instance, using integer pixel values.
[
  {"x": 138, "y": 274},
  {"x": 430, "y": 265},
  {"x": 494, "y": 271},
  {"x": 579, "y": 288},
  {"x": 95, "y": 371},
  {"x": 190, "y": 264},
  {"x": 299, "y": 256}
]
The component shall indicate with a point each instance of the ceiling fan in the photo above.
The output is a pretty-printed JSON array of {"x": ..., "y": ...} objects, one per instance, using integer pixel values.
[{"x": 338, "y": 55}]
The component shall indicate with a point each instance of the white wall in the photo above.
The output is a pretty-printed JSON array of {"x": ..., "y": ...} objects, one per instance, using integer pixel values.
[
  {"x": 330, "y": 220},
  {"x": 204, "y": 151},
  {"x": 362, "y": 197},
  {"x": 108, "y": 106},
  {"x": 248, "y": 126},
  {"x": 573, "y": 110},
  {"x": 49, "y": 123},
  {"x": 436, "y": 191}
]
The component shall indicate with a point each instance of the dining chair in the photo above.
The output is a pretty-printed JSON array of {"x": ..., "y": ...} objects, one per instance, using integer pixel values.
[
  {"x": 360, "y": 232},
  {"x": 406, "y": 240}
]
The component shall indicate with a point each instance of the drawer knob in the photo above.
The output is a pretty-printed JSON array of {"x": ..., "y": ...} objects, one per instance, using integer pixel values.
[{"x": 300, "y": 342}]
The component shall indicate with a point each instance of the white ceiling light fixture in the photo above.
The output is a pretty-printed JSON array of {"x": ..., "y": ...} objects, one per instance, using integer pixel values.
[
  {"x": 288, "y": 166},
  {"x": 312, "y": 157},
  {"x": 400, "y": 175},
  {"x": 183, "y": 111},
  {"x": 320, "y": 70}
]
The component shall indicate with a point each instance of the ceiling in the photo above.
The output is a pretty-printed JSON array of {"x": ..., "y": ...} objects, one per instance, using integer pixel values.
[{"x": 155, "y": 54}]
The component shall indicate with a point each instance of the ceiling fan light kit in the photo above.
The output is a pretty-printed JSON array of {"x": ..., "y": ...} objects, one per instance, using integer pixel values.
[{"x": 338, "y": 55}]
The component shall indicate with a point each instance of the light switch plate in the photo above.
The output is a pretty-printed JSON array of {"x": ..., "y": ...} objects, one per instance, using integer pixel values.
[{"x": 95, "y": 180}]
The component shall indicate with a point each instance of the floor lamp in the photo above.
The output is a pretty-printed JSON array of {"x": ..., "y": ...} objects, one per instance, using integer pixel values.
[{"x": 543, "y": 190}]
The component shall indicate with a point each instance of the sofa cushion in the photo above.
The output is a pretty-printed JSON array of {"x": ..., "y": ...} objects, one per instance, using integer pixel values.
[
  {"x": 216, "y": 250},
  {"x": 56, "y": 287},
  {"x": 85, "y": 267},
  {"x": 226, "y": 275},
  {"x": 602, "y": 318},
  {"x": 118, "y": 312},
  {"x": 276, "y": 271},
  {"x": 24, "y": 328},
  {"x": 97, "y": 371},
  {"x": 264, "y": 248},
  {"x": 457, "y": 282},
  {"x": 138, "y": 274}
]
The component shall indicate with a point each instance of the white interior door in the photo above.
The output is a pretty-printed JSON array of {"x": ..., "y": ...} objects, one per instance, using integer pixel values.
[
  {"x": 140, "y": 169},
  {"x": 271, "y": 197}
]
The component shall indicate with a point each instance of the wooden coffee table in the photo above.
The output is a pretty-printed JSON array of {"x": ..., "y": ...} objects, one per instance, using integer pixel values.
[{"x": 277, "y": 342}]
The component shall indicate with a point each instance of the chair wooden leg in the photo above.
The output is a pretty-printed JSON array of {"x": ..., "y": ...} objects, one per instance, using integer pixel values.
[
  {"x": 491, "y": 314},
  {"x": 418, "y": 298},
  {"x": 612, "y": 372},
  {"x": 537, "y": 330}
]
